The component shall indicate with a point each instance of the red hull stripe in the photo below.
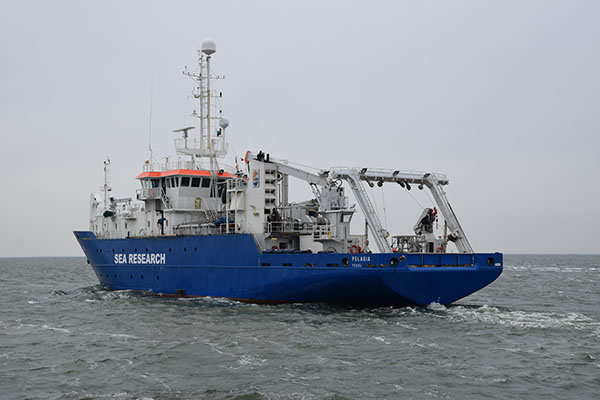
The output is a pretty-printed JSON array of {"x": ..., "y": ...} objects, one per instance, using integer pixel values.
[{"x": 189, "y": 172}]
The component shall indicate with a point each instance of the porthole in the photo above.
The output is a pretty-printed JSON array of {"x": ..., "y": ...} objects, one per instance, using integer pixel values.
[
  {"x": 402, "y": 258},
  {"x": 394, "y": 262},
  {"x": 157, "y": 277},
  {"x": 142, "y": 276},
  {"x": 130, "y": 276},
  {"x": 345, "y": 262},
  {"x": 490, "y": 261}
]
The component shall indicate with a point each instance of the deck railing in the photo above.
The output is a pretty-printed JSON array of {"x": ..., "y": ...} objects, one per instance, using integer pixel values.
[{"x": 299, "y": 228}]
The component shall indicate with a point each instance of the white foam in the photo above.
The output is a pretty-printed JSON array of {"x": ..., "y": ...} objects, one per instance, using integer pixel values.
[
  {"x": 525, "y": 319},
  {"x": 381, "y": 339},
  {"x": 405, "y": 326},
  {"x": 51, "y": 328},
  {"x": 211, "y": 300},
  {"x": 436, "y": 307},
  {"x": 116, "y": 335},
  {"x": 552, "y": 268},
  {"x": 249, "y": 360}
]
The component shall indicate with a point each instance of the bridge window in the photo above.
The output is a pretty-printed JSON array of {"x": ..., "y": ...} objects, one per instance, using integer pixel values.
[
  {"x": 155, "y": 183},
  {"x": 195, "y": 182},
  {"x": 205, "y": 182},
  {"x": 185, "y": 181}
]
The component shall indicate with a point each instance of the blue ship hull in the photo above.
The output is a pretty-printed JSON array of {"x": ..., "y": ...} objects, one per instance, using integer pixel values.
[{"x": 230, "y": 266}]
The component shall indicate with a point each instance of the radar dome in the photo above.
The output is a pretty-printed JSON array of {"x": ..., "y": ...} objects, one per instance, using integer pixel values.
[{"x": 209, "y": 46}]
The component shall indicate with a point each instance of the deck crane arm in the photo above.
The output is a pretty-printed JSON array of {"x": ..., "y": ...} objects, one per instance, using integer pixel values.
[
  {"x": 456, "y": 230},
  {"x": 285, "y": 168},
  {"x": 355, "y": 176},
  {"x": 434, "y": 183}
]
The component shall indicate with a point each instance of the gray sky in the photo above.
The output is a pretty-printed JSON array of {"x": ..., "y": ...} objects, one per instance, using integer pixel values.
[{"x": 503, "y": 96}]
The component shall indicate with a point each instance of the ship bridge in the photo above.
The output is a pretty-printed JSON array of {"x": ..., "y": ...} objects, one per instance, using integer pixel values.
[{"x": 182, "y": 186}]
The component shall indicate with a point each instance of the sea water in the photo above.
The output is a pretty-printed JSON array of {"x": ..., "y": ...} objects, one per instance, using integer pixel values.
[{"x": 534, "y": 333}]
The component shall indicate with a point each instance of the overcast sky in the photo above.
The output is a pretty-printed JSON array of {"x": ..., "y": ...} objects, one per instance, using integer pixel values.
[{"x": 502, "y": 96}]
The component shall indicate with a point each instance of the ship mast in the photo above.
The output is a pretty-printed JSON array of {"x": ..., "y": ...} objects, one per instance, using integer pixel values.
[
  {"x": 211, "y": 145},
  {"x": 106, "y": 187}
]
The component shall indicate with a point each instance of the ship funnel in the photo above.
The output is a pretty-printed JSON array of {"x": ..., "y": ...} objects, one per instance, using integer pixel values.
[{"x": 209, "y": 46}]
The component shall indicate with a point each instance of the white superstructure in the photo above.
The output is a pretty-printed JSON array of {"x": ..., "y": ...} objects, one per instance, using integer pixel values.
[{"x": 199, "y": 196}]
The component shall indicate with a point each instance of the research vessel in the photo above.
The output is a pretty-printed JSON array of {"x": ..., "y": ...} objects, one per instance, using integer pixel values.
[{"x": 197, "y": 227}]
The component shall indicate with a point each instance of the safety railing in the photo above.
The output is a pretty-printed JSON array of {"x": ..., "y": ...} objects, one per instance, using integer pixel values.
[
  {"x": 234, "y": 185},
  {"x": 199, "y": 229},
  {"x": 173, "y": 165},
  {"x": 216, "y": 146},
  {"x": 299, "y": 228}
]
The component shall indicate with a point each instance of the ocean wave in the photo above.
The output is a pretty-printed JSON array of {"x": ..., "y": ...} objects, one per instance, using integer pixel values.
[
  {"x": 35, "y": 327},
  {"x": 251, "y": 361},
  {"x": 524, "y": 319},
  {"x": 52, "y": 328},
  {"x": 116, "y": 335},
  {"x": 381, "y": 339},
  {"x": 212, "y": 300},
  {"x": 562, "y": 269}
]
